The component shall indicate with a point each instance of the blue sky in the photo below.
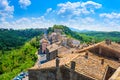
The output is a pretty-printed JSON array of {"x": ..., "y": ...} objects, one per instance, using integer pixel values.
[{"x": 100, "y": 15}]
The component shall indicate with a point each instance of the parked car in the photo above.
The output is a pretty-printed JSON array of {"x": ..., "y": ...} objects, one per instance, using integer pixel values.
[
  {"x": 17, "y": 78},
  {"x": 26, "y": 73},
  {"x": 21, "y": 76}
]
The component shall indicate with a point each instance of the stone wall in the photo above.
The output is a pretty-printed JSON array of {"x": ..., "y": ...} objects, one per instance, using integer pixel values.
[
  {"x": 50, "y": 74},
  {"x": 41, "y": 74},
  {"x": 52, "y": 55},
  {"x": 76, "y": 76}
]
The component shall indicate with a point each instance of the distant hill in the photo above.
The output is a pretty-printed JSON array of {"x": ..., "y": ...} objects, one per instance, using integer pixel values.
[
  {"x": 73, "y": 29},
  {"x": 99, "y": 36},
  {"x": 86, "y": 35},
  {"x": 77, "y": 30},
  {"x": 66, "y": 31}
]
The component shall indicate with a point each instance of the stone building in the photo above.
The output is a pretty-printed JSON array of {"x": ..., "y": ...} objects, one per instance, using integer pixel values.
[
  {"x": 96, "y": 62},
  {"x": 75, "y": 43},
  {"x": 72, "y": 43},
  {"x": 54, "y": 37},
  {"x": 64, "y": 42},
  {"x": 43, "y": 47},
  {"x": 53, "y": 51},
  {"x": 58, "y": 31}
]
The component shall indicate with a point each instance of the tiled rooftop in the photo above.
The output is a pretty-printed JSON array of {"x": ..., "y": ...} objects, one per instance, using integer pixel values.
[
  {"x": 92, "y": 66},
  {"x": 53, "y": 47},
  {"x": 63, "y": 60},
  {"x": 112, "y": 46}
]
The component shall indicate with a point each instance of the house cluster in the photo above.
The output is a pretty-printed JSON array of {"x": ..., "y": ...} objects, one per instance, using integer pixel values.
[
  {"x": 55, "y": 43},
  {"x": 67, "y": 59},
  {"x": 100, "y": 61}
]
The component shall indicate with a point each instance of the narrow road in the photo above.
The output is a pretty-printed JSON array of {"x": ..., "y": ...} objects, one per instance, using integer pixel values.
[{"x": 41, "y": 59}]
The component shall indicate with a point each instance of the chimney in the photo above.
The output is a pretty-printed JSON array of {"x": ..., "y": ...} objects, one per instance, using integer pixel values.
[
  {"x": 72, "y": 70},
  {"x": 108, "y": 42},
  {"x": 72, "y": 52},
  {"x": 73, "y": 65},
  {"x": 100, "y": 50},
  {"x": 57, "y": 62},
  {"x": 102, "y": 61},
  {"x": 56, "y": 53},
  {"x": 119, "y": 60},
  {"x": 58, "y": 72},
  {"x": 86, "y": 55}
]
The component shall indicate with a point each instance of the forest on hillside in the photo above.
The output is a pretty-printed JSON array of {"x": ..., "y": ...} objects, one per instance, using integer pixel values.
[
  {"x": 100, "y": 36},
  {"x": 17, "y": 51},
  {"x": 10, "y": 38}
]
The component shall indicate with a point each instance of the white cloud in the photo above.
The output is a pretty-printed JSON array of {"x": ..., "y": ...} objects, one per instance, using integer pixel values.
[
  {"x": 71, "y": 13},
  {"x": 24, "y": 3},
  {"x": 33, "y": 22},
  {"x": 77, "y": 8},
  {"x": 48, "y": 10},
  {"x": 79, "y": 23},
  {"x": 111, "y": 20},
  {"x": 91, "y": 4},
  {"x": 110, "y": 15},
  {"x": 90, "y": 24},
  {"x": 6, "y": 11}
]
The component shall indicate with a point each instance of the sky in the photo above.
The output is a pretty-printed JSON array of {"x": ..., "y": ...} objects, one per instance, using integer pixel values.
[{"x": 99, "y": 15}]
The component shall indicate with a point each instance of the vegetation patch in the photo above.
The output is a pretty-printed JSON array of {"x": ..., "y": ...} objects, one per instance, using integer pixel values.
[{"x": 17, "y": 53}]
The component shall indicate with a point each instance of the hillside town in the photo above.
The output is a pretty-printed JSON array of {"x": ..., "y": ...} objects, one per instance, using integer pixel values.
[{"x": 64, "y": 58}]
